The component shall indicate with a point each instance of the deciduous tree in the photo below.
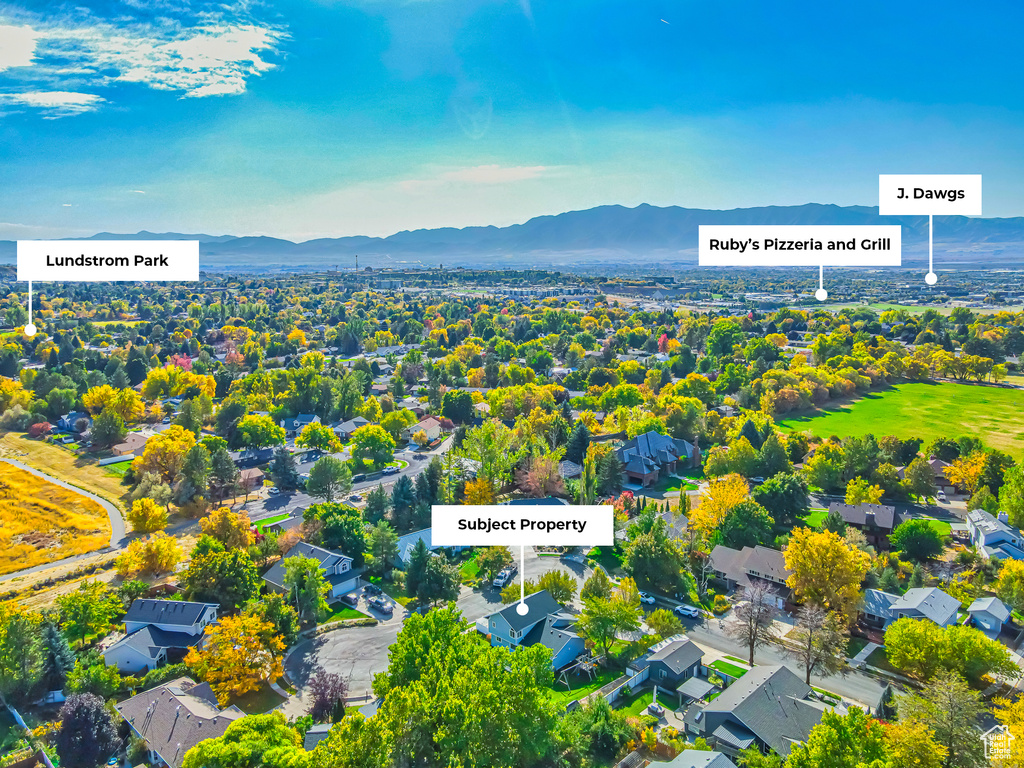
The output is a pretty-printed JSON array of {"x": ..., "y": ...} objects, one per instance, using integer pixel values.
[
  {"x": 87, "y": 736},
  {"x": 239, "y": 655},
  {"x": 826, "y": 570},
  {"x": 146, "y": 516},
  {"x": 819, "y": 642},
  {"x": 754, "y": 617}
]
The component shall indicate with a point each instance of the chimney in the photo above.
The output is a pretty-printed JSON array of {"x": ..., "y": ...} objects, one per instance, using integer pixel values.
[{"x": 1003, "y": 517}]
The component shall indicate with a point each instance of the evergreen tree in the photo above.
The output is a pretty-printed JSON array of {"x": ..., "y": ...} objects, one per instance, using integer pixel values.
[
  {"x": 773, "y": 458},
  {"x": 749, "y": 431},
  {"x": 58, "y": 658},
  {"x": 108, "y": 429},
  {"x": 609, "y": 474},
  {"x": 416, "y": 569},
  {"x": 283, "y": 471},
  {"x": 376, "y": 505},
  {"x": 224, "y": 472},
  {"x": 403, "y": 498},
  {"x": 579, "y": 441}
]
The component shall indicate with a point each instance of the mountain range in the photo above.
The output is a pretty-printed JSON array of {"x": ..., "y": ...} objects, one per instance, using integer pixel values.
[{"x": 599, "y": 237}]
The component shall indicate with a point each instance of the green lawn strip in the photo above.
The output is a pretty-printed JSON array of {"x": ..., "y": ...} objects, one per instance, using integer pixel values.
[
  {"x": 943, "y": 528},
  {"x": 391, "y": 590},
  {"x": 259, "y": 701},
  {"x": 469, "y": 570},
  {"x": 340, "y": 612},
  {"x": 814, "y": 518},
  {"x": 730, "y": 669},
  {"x": 118, "y": 469},
  {"x": 736, "y": 659},
  {"x": 581, "y": 687},
  {"x": 607, "y": 558},
  {"x": 878, "y": 658},
  {"x": 271, "y": 520},
  {"x": 924, "y": 410},
  {"x": 855, "y": 646}
]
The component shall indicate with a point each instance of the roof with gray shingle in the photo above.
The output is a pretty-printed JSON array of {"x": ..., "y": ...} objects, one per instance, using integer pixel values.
[
  {"x": 180, "y": 612},
  {"x": 931, "y": 602},
  {"x": 992, "y": 606},
  {"x": 698, "y": 758}
]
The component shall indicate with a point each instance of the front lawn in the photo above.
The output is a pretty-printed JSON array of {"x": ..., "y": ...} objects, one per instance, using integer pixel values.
[
  {"x": 729, "y": 669},
  {"x": 469, "y": 571},
  {"x": 814, "y": 518},
  {"x": 855, "y": 646},
  {"x": 260, "y": 524},
  {"x": 580, "y": 686},
  {"x": 340, "y": 612},
  {"x": 878, "y": 658},
  {"x": 607, "y": 558},
  {"x": 391, "y": 590}
]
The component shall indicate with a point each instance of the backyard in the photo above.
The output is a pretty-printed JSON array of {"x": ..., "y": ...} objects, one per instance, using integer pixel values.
[
  {"x": 924, "y": 410},
  {"x": 638, "y": 703},
  {"x": 581, "y": 686}
]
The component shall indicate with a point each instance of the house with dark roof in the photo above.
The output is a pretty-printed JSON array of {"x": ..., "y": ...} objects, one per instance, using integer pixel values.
[
  {"x": 407, "y": 543},
  {"x": 158, "y": 632},
  {"x": 770, "y": 707},
  {"x": 294, "y": 426},
  {"x": 651, "y": 455},
  {"x": 673, "y": 665},
  {"x": 545, "y": 622},
  {"x": 739, "y": 568},
  {"x": 338, "y": 570},
  {"x": 876, "y": 521},
  {"x": 174, "y": 717},
  {"x": 347, "y": 428}
]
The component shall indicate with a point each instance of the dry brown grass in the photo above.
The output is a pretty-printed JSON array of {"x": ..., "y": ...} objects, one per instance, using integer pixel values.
[
  {"x": 41, "y": 522},
  {"x": 61, "y": 463}
]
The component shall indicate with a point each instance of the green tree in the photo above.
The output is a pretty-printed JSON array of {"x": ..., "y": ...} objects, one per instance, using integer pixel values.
[
  {"x": 383, "y": 545},
  {"x": 257, "y": 432},
  {"x": 603, "y": 619},
  {"x": 329, "y": 479},
  {"x": 319, "y": 437},
  {"x": 108, "y": 429},
  {"x": 493, "y": 560},
  {"x": 21, "y": 652},
  {"x": 273, "y": 609},
  {"x": 376, "y": 504},
  {"x": 342, "y": 528},
  {"x": 457, "y": 405},
  {"x": 839, "y": 741},
  {"x": 372, "y": 443},
  {"x": 218, "y": 575},
  {"x": 784, "y": 496},
  {"x": 440, "y": 582},
  {"x": 664, "y": 623},
  {"x": 283, "y": 471},
  {"x": 746, "y": 524},
  {"x": 224, "y": 473},
  {"x": 266, "y": 740},
  {"x": 57, "y": 657},
  {"x": 88, "y": 610},
  {"x": 918, "y": 540},
  {"x": 416, "y": 568},
  {"x": 651, "y": 558},
  {"x": 951, "y": 709},
  {"x": 919, "y": 478},
  {"x": 561, "y": 585},
  {"x": 597, "y": 585},
  {"x": 772, "y": 458},
  {"x": 307, "y": 586}
]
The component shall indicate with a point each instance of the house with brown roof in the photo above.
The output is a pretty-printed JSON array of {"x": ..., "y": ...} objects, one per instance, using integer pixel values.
[
  {"x": 739, "y": 568},
  {"x": 251, "y": 478},
  {"x": 174, "y": 717},
  {"x": 134, "y": 444},
  {"x": 876, "y": 521}
]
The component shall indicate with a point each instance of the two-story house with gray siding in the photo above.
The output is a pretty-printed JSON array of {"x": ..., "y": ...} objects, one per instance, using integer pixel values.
[
  {"x": 545, "y": 623},
  {"x": 338, "y": 570},
  {"x": 158, "y": 632}
]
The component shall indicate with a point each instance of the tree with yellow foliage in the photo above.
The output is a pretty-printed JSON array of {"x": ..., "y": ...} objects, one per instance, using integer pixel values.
[
  {"x": 232, "y": 529},
  {"x": 147, "y": 516},
  {"x": 965, "y": 472},
  {"x": 320, "y": 437},
  {"x": 159, "y": 553},
  {"x": 371, "y": 410},
  {"x": 859, "y": 491},
  {"x": 721, "y": 495},
  {"x": 479, "y": 491},
  {"x": 1011, "y": 714},
  {"x": 126, "y": 402},
  {"x": 239, "y": 655},
  {"x": 826, "y": 570},
  {"x": 297, "y": 337},
  {"x": 165, "y": 453}
]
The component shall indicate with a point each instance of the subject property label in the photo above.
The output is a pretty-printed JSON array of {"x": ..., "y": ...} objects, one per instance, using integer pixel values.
[
  {"x": 527, "y": 525},
  {"x": 108, "y": 260}
]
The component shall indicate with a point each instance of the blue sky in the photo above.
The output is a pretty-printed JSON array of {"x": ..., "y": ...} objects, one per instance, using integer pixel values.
[{"x": 326, "y": 118}]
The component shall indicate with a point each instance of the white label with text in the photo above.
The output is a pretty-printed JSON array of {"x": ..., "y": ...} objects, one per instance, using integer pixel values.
[
  {"x": 929, "y": 194},
  {"x": 798, "y": 245},
  {"x": 522, "y": 525},
  {"x": 108, "y": 260}
]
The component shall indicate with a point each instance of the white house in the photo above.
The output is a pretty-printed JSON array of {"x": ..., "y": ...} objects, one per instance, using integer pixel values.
[
  {"x": 159, "y": 631},
  {"x": 989, "y": 614},
  {"x": 994, "y": 537}
]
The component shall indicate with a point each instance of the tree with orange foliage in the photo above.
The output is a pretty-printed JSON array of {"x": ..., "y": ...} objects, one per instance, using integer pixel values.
[{"x": 239, "y": 655}]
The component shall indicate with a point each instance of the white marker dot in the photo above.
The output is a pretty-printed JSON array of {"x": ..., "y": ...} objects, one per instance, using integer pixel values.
[
  {"x": 30, "y": 329},
  {"x": 821, "y": 294},
  {"x": 522, "y": 609},
  {"x": 931, "y": 278}
]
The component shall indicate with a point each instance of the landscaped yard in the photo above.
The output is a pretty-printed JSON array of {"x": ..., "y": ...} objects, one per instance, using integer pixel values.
[
  {"x": 41, "y": 522},
  {"x": 391, "y": 590},
  {"x": 878, "y": 658},
  {"x": 941, "y": 526},
  {"x": 855, "y": 646},
  {"x": 669, "y": 483},
  {"x": 815, "y": 518},
  {"x": 117, "y": 470},
  {"x": 581, "y": 687},
  {"x": 607, "y": 558},
  {"x": 259, "y": 701},
  {"x": 469, "y": 570},
  {"x": 271, "y": 520},
  {"x": 638, "y": 704},
  {"x": 729, "y": 669},
  {"x": 927, "y": 411}
]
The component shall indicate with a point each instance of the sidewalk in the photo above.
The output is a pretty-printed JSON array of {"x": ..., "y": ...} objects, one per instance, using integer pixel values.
[{"x": 862, "y": 656}]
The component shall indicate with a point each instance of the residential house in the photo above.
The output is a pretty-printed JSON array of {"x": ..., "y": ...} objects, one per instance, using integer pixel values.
[
  {"x": 250, "y": 479},
  {"x": 315, "y": 734},
  {"x": 408, "y": 542},
  {"x": 338, "y": 570},
  {"x": 698, "y": 758},
  {"x": 740, "y": 568},
  {"x": 545, "y": 623},
  {"x": 429, "y": 425},
  {"x": 69, "y": 423},
  {"x": 770, "y": 707},
  {"x": 292, "y": 427},
  {"x": 938, "y": 466},
  {"x": 158, "y": 632},
  {"x": 673, "y": 665},
  {"x": 876, "y": 521},
  {"x": 990, "y": 615},
  {"x": 174, "y": 717},
  {"x": 482, "y": 409},
  {"x": 413, "y": 404},
  {"x": 569, "y": 469},
  {"x": 346, "y": 428},
  {"x": 134, "y": 445},
  {"x": 651, "y": 455},
  {"x": 926, "y": 603},
  {"x": 251, "y": 457},
  {"x": 994, "y": 537},
  {"x": 876, "y": 608}
]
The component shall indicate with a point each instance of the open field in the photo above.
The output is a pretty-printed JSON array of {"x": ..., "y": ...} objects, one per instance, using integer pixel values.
[
  {"x": 927, "y": 411},
  {"x": 64, "y": 465},
  {"x": 41, "y": 522},
  {"x": 916, "y": 309}
]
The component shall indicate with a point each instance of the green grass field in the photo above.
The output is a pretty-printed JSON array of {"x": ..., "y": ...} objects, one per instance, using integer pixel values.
[
  {"x": 730, "y": 669},
  {"x": 261, "y": 524},
  {"x": 926, "y": 411}
]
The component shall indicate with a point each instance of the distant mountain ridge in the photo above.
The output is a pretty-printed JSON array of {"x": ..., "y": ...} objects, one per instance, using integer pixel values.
[{"x": 609, "y": 234}]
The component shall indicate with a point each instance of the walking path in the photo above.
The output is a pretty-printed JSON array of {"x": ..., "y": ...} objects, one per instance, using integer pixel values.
[{"x": 862, "y": 655}]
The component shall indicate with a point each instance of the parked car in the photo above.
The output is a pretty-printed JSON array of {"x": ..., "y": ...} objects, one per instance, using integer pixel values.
[
  {"x": 504, "y": 578},
  {"x": 371, "y": 589},
  {"x": 358, "y": 478},
  {"x": 273, "y": 490},
  {"x": 390, "y": 471},
  {"x": 687, "y": 610},
  {"x": 167, "y": 420},
  {"x": 941, "y": 495},
  {"x": 647, "y": 598},
  {"x": 380, "y": 604},
  {"x": 350, "y": 599},
  {"x": 420, "y": 456},
  {"x": 355, "y": 497}
]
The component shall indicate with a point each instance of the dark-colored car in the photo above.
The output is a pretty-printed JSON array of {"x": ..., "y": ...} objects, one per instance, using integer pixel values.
[
  {"x": 350, "y": 599},
  {"x": 380, "y": 604},
  {"x": 358, "y": 478},
  {"x": 370, "y": 589}
]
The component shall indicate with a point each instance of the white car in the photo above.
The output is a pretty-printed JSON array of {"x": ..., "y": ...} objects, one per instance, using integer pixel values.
[
  {"x": 941, "y": 495},
  {"x": 646, "y": 598},
  {"x": 687, "y": 610}
]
